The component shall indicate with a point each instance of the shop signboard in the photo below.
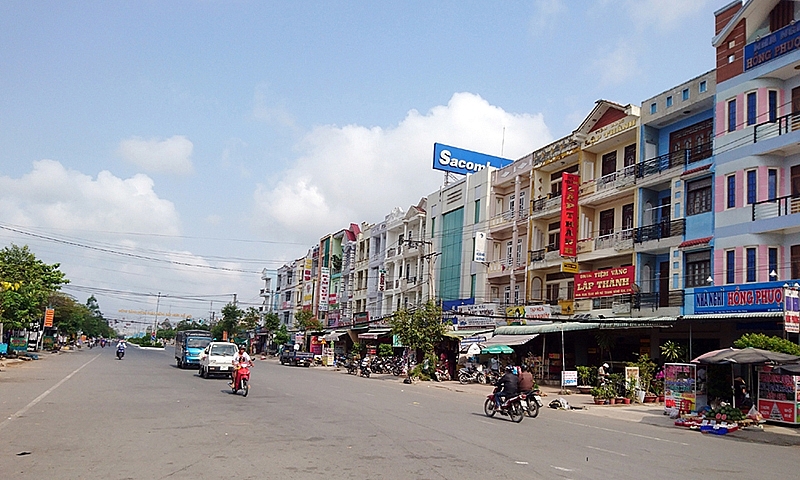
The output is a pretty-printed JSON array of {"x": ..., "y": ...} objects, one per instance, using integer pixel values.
[
  {"x": 778, "y": 396},
  {"x": 309, "y": 262},
  {"x": 480, "y": 247},
  {"x": 746, "y": 298},
  {"x": 569, "y": 378},
  {"x": 333, "y": 318},
  {"x": 772, "y": 46},
  {"x": 324, "y": 281},
  {"x": 457, "y": 160},
  {"x": 632, "y": 375},
  {"x": 18, "y": 344},
  {"x": 680, "y": 383},
  {"x": 568, "y": 244},
  {"x": 569, "y": 267},
  {"x": 308, "y": 293},
  {"x": 49, "y": 313},
  {"x": 316, "y": 345},
  {"x": 791, "y": 310},
  {"x": 478, "y": 316},
  {"x": 604, "y": 283},
  {"x": 361, "y": 318}
]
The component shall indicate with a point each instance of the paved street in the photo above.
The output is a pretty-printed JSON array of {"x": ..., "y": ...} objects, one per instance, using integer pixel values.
[{"x": 86, "y": 415}]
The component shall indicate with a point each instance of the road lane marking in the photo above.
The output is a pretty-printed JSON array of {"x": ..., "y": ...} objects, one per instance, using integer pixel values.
[
  {"x": 562, "y": 468},
  {"x": 46, "y": 393},
  {"x": 606, "y": 451},
  {"x": 626, "y": 433}
]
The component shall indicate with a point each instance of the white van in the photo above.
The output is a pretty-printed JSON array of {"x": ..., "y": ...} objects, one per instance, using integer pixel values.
[{"x": 217, "y": 359}]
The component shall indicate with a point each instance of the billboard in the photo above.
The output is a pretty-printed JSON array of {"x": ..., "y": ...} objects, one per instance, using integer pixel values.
[
  {"x": 480, "y": 247},
  {"x": 740, "y": 298},
  {"x": 457, "y": 160},
  {"x": 772, "y": 46},
  {"x": 324, "y": 279},
  {"x": 568, "y": 244},
  {"x": 604, "y": 283}
]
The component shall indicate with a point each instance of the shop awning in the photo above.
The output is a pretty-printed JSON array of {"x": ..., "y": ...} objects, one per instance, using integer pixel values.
[
  {"x": 734, "y": 316},
  {"x": 510, "y": 339},
  {"x": 546, "y": 328},
  {"x": 375, "y": 334},
  {"x": 334, "y": 336}
]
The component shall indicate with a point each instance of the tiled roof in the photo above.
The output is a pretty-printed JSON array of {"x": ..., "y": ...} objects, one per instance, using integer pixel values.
[{"x": 695, "y": 242}]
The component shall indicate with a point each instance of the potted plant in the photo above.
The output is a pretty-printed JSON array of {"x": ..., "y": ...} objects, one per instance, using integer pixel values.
[
  {"x": 646, "y": 370},
  {"x": 630, "y": 391},
  {"x": 600, "y": 395},
  {"x": 587, "y": 376},
  {"x": 657, "y": 386}
]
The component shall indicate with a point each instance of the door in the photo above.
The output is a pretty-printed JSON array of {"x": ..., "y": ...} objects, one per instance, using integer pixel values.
[
  {"x": 795, "y": 108},
  {"x": 663, "y": 284},
  {"x": 795, "y": 190},
  {"x": 665, "y": 216}
]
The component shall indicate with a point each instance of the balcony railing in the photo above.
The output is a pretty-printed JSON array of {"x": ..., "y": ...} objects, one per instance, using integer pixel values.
[
  {"x": 653, "y": 300},
  {"x": 779, "y": 126},
  {"x": 660, "y": 230},
  {"x": 677, "y": 158},
  {"x": 541, "y": 204},
  {"x": 538, "y": 255},
  {"x": 778, "y": 207}
]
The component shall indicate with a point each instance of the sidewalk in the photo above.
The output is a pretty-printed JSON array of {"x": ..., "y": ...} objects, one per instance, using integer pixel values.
[{"x": 648, "y": 413}]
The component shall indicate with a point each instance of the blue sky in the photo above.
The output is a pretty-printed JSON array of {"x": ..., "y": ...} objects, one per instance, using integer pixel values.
[{"x": 235, "y": 134}]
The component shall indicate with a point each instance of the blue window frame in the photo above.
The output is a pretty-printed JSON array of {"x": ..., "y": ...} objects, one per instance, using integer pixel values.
[
  {"x": 773, "y": 105},
  {"x": 751, "y": 108},
  {"x": 772, "y": 184},
  {"x": 653, "y": 108},
  {"x": 751, "y": 265},
  {"x": 669, "y": 101},
  {"x": 751, "y": 187},
  {"x": 732, "y": 191},
  {"x": 685, "y": 94},
  {"x": 732, "y": 115},
  {"x": 730, "y": 266},
  {"x": 702, "y": 88}
]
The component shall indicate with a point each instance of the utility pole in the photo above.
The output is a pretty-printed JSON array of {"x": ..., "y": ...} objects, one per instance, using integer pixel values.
[
  {"x": 430, "y": 258},
  {"x": 155, "y": 324}
]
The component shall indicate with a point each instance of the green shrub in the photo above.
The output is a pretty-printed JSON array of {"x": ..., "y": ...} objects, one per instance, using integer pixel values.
[{"x": 773, "y": 344}]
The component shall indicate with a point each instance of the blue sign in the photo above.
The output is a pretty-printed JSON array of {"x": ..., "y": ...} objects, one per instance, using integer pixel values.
[
  {"x": 774, "y": 45},
  {"x": 457, "y": 160},
  {"x": 742, "y": 298}
]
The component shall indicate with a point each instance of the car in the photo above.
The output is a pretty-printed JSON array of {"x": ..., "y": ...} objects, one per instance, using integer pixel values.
[{"x": 217, "y": 359}]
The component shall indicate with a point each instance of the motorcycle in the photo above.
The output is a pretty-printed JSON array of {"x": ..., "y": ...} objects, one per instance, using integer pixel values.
[
  {"x": 352, "y": 367},
  {"x": 532, "y": 403},
  {"x": 471, "y": 374},
  {"x": 365, "y": 371},
  {"x": 241, "y": 380},
  {"x": 511, "y": 407},
  {"x": 120, "y": 353}
]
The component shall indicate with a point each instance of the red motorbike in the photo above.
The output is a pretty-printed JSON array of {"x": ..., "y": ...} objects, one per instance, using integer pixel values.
[
  {"x": 511, "y": 407},
  {"x": 241, "y": 380}
]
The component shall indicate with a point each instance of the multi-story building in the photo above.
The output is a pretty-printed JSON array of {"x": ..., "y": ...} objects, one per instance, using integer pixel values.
[
  {"x": 377, "y": 279},
  {"x": 289, "y": 291}
]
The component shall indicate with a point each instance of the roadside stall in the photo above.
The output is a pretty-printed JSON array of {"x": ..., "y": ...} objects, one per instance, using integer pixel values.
[
  {"x": 779, "y": 393},
  {"x": 684, "y": 386}
]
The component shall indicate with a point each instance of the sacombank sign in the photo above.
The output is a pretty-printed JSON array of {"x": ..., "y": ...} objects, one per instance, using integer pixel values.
[{"x": 456, "y": 160}]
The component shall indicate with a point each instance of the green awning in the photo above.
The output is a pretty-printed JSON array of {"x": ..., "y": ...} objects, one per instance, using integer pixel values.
[{"x": 495, "y": 349}]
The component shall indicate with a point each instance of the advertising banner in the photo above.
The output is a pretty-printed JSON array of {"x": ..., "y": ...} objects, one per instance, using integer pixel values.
[
  {"x": 382, "y": 281},
  {"x": 361, "y": 318},
  {"x": 324, "y": 280},
  {"x": 791, "y": 310},
  {"x": 569, "y": 378},
  {"x": 604, "y": 283},
  {"x": 477, "y": 316},
  {"x": 49, "y": 313},
  {"x": 568, "y": 244},
  {"x": 750, "y": 297},
  {"x": 480, "y": 247},
  {"x": 680, "y": 383},
  {"x": 456, "y": 160},
  {"x": 18, "y": 344},
  {"x": 778, "y": 396},
  {"x": 308, "y": 293},
  {"x": 307, "y": 269}
]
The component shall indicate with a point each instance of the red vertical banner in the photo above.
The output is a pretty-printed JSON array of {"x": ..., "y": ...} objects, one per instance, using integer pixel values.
[
  {"x": 568, "y": 245},
  {"x": 49, "y": 313}
]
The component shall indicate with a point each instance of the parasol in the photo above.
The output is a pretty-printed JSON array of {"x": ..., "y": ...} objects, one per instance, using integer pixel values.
[{"x": 494, "y": 349}]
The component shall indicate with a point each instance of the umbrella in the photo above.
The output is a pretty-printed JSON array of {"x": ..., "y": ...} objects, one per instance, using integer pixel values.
[
  {"x": 492, "y": 349},
  {"x": 793, "y": 369},
  {"x": 747, "y": 355}
]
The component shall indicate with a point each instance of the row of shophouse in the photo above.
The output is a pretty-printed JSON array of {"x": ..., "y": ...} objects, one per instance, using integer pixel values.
[{"x": 677, "y": 218}]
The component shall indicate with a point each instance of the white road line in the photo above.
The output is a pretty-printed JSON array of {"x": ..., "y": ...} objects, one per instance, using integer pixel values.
[
  {"x": 606, "y": 451},
  {"x": 627, "y": 433},
  {"x": 46, "y": 393},
  {"x": 561, "y": 468}
]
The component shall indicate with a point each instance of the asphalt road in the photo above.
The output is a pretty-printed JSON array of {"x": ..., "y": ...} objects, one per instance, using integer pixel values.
[{"x": 87, "y": 415}]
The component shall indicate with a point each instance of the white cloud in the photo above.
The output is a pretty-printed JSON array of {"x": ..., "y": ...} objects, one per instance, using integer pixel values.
[
  {"x": 52, "y": 196},
  {"x": 172, "y": 155},
  {"x": 546, "y": 15},
  {"x": 265, "y": 110},
  {"x": 662, "y": 15},
  {"x": 617, "y": 66},
  {"x": 354, "y": 173}
]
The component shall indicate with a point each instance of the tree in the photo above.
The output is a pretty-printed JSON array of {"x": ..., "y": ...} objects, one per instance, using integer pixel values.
[
  {"x": 70, "y": 317},
  {"x": 419, "y": 329},
  {"x": 190, "y": 324},
  {"x": 305, "y": 321},
  {"x": 272, "y": 322},
  {"x": 231, "y": 315},
  {"x": 282, "y": 336},
  {"x": 250, "y": 318},
  {"x": 773, "y": 344},
  {"x": 673, "y": 351},
  {"x": 36, "y": 280}
]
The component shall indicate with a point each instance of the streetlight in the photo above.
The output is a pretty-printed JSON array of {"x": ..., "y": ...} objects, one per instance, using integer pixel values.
[
  {"x": 773, "y": 275},
  {"x": 710, "y": 280}
]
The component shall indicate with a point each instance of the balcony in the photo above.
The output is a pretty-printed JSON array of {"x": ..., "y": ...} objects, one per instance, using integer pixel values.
[
  {"x": 391, "y": 252},
  {"x": 654, "y": 300},
  {"x": 543, "y": 206},
  {"x": 779, "y": 126},
  {"x": 778, "y": 207},
  {"x": 619, "y": 241},
  {"x": 618, "y": 179},
  {"x": 657, "y": 231}
]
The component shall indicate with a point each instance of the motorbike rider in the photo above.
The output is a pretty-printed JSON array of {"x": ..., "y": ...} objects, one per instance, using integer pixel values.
[
  {"x": 365, "y": 363},
  {"x": 525, "y": 381},
  {"x": 241, "y": 359},
  {"x": 508, "y": 387}
]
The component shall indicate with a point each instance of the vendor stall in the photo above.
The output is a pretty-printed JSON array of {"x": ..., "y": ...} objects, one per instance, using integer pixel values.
[
  {"x": 779, "y": 393},
  {"x": 685, "y": 386}
]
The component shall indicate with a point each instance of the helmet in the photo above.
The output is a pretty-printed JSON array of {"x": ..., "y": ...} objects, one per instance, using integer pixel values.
[
  {"x": 509, "y": 368},
  {"x": 605, "y": 365}
]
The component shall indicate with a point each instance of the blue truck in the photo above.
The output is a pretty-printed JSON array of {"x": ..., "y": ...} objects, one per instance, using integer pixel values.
[{"x": 188, "y": 345}]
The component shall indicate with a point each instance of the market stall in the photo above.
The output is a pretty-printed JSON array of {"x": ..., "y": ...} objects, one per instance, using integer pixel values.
[
  {"x": 779, "y": 393},
  {"x": 685, "y": 386}
]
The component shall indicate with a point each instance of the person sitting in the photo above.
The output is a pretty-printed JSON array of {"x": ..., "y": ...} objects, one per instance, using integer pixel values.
[
  {"x": 508, "y": 384},
  {"x": 525, "y": 381},
  {"x": 241, "y": 359}
]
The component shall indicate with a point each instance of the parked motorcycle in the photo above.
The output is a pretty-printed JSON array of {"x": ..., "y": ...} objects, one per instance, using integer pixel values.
[
  {"x": 241, "y": 380},
  {"x": 352, "y": 367},
  {"x": 511, "y": 407},
  {"x": 471, "y": 374},
  {"x": 364, "y": 368}
]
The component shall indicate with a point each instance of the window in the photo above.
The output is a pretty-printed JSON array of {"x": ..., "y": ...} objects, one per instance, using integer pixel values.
[
  {"x": 772, "y": 184},
  {"x": 669, "y": 101},
  {"x": 509, "y": 253},
  {"x": 751, "y": 108},
  {"x": 731, "y": 58},
  {"x": 730, "y": 266},
  {"x": 772, "y": 259},
  {"x": 552, "y": 293},
  {"x": 653, "y": 108},
  {"x": 703, "y": 86},
  {"x": 607, "y": 222},
  {"x": 751, "y": 264},
  {"x": 773, "y": 105},
  {"x": 751, "y": 187},
  {"x": 698, "y": 196},
  {"x": 519, "y": 251},
  {"x": 516, "y": 294},
  {"x": 731, "y": 191},
  {"x": 627, "y": 216},
  {"x": 795, "y": 260},
  {"x": 507, "y": 295},
  {"x": 554, "y": 236},
  {"x": 698, "y": 268},
  {"x": 433, "y": 227},
  {"x": 472, "y": 281},
  {"x": 522, "y": 205},
  {"x": 477, "y": 211},
  {"x": 629, "y": 157},
  {"x": 685, "y": 94},
  {"x": 732, "y": 115},
  {"x": 609, "y": 163}
]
